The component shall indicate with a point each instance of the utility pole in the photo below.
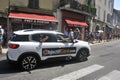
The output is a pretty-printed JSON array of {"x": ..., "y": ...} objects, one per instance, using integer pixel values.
[{"x": 8, "y": 26}]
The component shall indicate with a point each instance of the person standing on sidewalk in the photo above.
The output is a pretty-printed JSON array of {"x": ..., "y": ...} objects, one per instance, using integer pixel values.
[
  {"x": 77, "y": 34},
  {"x": 1, "y": 37},
  {"x": 66, "y": 31},
  {"x": 71, "y": 35}
]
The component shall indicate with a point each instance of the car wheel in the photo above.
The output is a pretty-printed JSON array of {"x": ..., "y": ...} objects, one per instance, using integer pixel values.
[
  {"x": 28, "y": 62},
  {"x": 82, "y": 55}
]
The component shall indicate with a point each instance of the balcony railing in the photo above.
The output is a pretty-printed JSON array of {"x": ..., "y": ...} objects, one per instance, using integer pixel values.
[
  {"x": 81, "y": 7},
  {"x": 84, "y": 8}
]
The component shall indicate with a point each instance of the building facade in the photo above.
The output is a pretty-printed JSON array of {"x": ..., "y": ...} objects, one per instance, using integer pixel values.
[
  {"x": 116, "y": 18},
  {"x": 116, "y": 21},
  {"x": 28, "y": 14},
  {"x": 3, "y": 12},
  {"x": 55, "y": 15},
  {"x": 77, "y": 14},
  {"x": 103, "y": 19}
]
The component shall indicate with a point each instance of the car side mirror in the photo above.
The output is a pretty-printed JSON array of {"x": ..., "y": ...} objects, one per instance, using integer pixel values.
[{"x": 74, "y": 41}]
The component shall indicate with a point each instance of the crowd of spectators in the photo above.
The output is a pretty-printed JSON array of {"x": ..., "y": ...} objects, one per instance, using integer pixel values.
[
  {"x": 101, "y": 36},
  {"x": 91, "y": 37}
]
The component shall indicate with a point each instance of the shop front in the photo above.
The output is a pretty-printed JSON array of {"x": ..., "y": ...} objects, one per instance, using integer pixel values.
[
  {"x": 19, "y": 21},
  {"x": 73, "y": 20}
]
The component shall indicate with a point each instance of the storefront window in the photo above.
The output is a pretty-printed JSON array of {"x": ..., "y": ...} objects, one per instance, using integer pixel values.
[
  {"x": 45, "y": 26},
  {"x": 16, "y": 26},
  {"x": 36, "y": 26},
  {"x": 19, "y": 24},
  {"x": 27, "y": 26},
  {"x": 33, "y": 4}
]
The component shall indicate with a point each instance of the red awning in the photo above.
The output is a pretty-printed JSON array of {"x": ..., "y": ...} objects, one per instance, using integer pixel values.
[
  {"x": 76, "y": 22},
  {"x": 32, "y": 16}
]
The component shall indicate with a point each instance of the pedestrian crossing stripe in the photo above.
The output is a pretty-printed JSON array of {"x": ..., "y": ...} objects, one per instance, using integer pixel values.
[
  {"x": 80, "y": 73},
  {"x": 114, "y": 75}
]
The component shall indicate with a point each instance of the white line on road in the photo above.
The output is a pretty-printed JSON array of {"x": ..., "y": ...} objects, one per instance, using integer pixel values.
[
  {"x": 114, "y": 75},
  {"x": 80, "y": 73}
]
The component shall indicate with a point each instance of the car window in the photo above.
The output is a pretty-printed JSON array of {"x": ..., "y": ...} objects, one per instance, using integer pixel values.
[
  {"x": 44, "y": 37},
  {"x": 19, "y": 38},
  {"x": 35, "y": 37},
  {"x": 62, "y": 37},
  {"x": 51, "y": 38}
]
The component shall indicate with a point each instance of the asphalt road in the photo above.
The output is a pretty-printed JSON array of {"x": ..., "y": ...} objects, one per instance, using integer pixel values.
[{"x": 103, "y": 64}]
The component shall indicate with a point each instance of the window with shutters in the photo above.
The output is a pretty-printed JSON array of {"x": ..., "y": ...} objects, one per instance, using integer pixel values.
[{"x": 33, "y": 4}]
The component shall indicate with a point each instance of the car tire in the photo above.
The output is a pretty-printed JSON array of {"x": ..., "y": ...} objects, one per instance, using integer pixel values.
[
  {"x": 82, "y": 55},
  {"x": 28, "y": 62}
]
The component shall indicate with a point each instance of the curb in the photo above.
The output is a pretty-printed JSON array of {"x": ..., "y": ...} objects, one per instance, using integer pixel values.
[{"x": 95, "y": 43}]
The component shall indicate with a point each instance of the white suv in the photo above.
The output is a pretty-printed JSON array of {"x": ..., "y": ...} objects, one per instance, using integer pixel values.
[{"x": 26, "y": 48}]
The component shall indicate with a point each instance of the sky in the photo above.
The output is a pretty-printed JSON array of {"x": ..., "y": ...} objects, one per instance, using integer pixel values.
[{"x": 117, "y": 4}]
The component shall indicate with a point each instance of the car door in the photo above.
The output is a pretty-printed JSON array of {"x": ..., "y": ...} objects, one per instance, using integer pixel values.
[
  {"x": 67, "y": 46},
  {"x": 53, "y": 48},
  {"x": 48, "y": 48}
]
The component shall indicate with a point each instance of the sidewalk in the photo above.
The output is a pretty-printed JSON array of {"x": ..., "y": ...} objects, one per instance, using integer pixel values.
[
  {"x": 4, "y": 50},
  {"x": 96, "y": 42},
  {"x": 102, "y": 42}
]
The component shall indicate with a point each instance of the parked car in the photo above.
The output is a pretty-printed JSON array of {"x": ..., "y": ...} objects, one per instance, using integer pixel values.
[{"x": 27, "y": 48}]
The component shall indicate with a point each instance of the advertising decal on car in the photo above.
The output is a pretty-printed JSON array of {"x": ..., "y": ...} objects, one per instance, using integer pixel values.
[{"x": 58, "y": 51}]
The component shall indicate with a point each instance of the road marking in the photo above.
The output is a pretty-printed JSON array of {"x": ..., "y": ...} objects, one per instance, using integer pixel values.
[
  {"x": 114, "y": 75},
  {"x": 80, "y": 73}
]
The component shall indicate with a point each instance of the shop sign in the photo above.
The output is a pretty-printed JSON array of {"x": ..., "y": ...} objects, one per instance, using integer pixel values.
[
  {"x": 31, "y": 21},
  {"x": 36, "y": 21},
  {"x": 16, "y": 20},
  {"x": 73, "y": 25}
]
